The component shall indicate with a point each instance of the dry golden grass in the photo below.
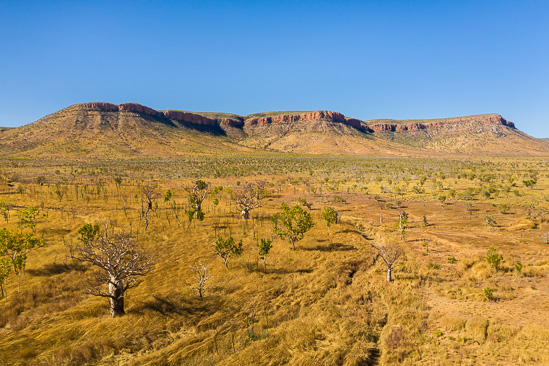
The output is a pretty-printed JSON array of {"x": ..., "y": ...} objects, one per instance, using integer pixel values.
[{"x": 327, "y": 303}]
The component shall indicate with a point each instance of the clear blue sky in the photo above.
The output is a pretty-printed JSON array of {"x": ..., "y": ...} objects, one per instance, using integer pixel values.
[{"x": 366, "y": 59}]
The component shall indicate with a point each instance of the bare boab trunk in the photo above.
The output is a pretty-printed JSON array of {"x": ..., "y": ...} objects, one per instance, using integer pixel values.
[
  {"x": 248, "y": 198},
  {"x": 116, "y": 298},
  {"x": 390, "y": 254},
  {"x": 119, "y": 259}
]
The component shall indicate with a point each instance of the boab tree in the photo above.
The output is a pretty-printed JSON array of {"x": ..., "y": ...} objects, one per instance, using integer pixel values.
[
  {"x": 292, "y": 223},
  {"x": 248, "y": 198},
  {"x": 119, "y": 259},
  {"x": 390, "y": 254}
]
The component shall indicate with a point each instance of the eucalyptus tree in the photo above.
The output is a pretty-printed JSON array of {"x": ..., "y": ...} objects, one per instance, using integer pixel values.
[
  {"x": 15, "y": 246},
  {"x": 292, "y": 223}
]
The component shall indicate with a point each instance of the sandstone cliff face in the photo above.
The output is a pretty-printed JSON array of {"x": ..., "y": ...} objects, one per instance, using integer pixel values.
[
  {"x": 287, "y": 118},
  {"x": 238, "y": 122},
  {"x": 179, "y": 116},
  {"x": 495, "y": 119}
]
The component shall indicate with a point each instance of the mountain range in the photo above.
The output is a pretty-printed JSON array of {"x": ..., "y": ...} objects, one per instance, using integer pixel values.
[{"x": 130, "y": 130}]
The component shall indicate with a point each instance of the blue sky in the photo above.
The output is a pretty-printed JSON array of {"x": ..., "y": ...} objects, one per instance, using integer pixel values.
[{"x": 366, "y": 59}]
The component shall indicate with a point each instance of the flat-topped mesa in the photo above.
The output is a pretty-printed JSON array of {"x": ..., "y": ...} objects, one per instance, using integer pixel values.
[
  {"x": 287, "y": 118},
  {"x": 186, "y": 117},
  {"x": 413, "y": 125}
]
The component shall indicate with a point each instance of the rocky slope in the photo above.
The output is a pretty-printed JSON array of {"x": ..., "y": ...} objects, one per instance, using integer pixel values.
[
  {"x": 481, "y": 134},
  {"x": 128, "y": 130}
]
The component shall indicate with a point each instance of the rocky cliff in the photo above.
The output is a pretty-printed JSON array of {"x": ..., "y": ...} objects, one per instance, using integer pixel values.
[
  {"x": 238, "y": 122},
  {"x": 397, "y": 126}
]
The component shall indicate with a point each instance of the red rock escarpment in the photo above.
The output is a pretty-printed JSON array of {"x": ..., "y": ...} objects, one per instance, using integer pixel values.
[
  {"x": 488, "y": 119},
  {"x": 287, "y": 118},
  {"x": 179, "y": 116}
]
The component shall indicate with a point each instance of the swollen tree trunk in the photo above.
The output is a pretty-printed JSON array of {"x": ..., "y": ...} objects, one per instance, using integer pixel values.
[
  {"x": 116, "y": 298},
  {"x": 389, "y": 278}
]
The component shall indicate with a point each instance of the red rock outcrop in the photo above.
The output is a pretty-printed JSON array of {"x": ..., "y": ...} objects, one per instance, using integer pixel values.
[
  {"x": 231, "y": 122},
  {"x": 488, "y": 118},
  {"x": 138, "y": 108},
  {"x": 287, "y": 118},
  {"x": 99, "y": 106},
  {"x": 188, "y": 117}
]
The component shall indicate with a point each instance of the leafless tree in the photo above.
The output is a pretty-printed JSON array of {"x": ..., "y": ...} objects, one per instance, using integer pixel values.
[
  {"x": 149, "y": 191},
  {"x": 390, "y": 254},
  {"x": 248, "y": 198},
  {"x": 201, "y": 277},
  {"x": 119, "y": 259}
]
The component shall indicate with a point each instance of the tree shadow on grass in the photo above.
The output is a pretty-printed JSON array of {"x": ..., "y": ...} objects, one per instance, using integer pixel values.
[
  {"x": 171, "y": 307},
  {"x": 332, "y": 247},
  {"x": 52, "y": 269}
]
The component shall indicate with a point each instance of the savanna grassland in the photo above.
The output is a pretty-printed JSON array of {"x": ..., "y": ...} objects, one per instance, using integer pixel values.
[{"x": 471, "y": 286}]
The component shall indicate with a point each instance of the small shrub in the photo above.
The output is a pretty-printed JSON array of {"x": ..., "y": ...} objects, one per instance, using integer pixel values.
[
  {"x": 488, "y": 293},
  {"x": 494, "y": 258},
  {"x": 452, "y": 260}
]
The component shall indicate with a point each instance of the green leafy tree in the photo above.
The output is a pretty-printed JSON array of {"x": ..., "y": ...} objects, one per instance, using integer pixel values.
[
  {"x": 5, "y": 269},
  {"x": 494, "y": 258},
  {"x": 530, "y": 183},
  {"x": 197, "y": 194},
  {"x": 28, "y": 218},
  {"x": 5, "y": 207},
  {"x": 401, "y": 223},
  {"x": 15, "y": 246},
  {"x": 304, "y": 203},
  {"x": 330, "y": 215},
  {"x": 227, "y": 248},
  {"x": 292, "y": 223},
  {"x": 265, "y": 246}
]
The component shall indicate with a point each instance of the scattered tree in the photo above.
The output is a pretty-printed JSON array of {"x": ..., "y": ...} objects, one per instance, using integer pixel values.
[
  {"x": 149, "y": 191},
  {"x": 331, "y": 216},
  {"x": 28, "y": 218},
  {"x": 5, "y": 269},
  {"x": 247, "y": 198},
  {"x": 265, "y": 246},
  {"x": 292, "y": 223},
  {"x": 390, "y": 254},
  {"x": 202, "y": 276},
  {"x": 197, "y": 193},
  {"x": 227, "y": 248},
  {"x": 5, "y": 207},
  {"x": 15, "y": 246},
  {"x": 119, "y": 259}
]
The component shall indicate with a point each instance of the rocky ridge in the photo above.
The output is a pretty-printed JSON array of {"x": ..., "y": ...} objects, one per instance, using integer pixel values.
[
  {"x": 398, "y": 126},
  {"x": 238, "y": 122}
]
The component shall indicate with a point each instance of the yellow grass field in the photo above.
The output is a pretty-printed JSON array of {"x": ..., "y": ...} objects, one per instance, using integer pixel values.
[{"x": 326, "y": 303}]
